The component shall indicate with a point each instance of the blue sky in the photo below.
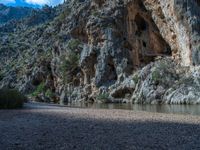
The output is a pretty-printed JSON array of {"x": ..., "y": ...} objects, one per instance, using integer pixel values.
[{"x": 31, "y": 3}]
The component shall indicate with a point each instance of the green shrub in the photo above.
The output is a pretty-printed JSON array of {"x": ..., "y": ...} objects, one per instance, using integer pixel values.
[
  {"x": 95, "y": 13},
  {"x": 73, "y": 44},
  {"x": 156, "y": 76},
  {"x": 73, "y": 59},
  {"x": 10, "y": 99},
  {"x": 64, "y": 14},
  {"x": 49, "y": 93},
  {"x": 103, "y": 96},
  {"x": 136, "y": 78},
  {"x": 40, "y": 88},
  {"x": 69, "y": 63},
  {"x": 161, "y": 68}
]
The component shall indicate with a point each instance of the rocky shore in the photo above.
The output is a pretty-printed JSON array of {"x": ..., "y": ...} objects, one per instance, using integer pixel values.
[{"x": 42, "y": 126}]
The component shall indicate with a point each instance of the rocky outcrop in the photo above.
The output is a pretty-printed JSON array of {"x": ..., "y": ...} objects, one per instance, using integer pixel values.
[
  {"x": 178, "y": 22},
  {"x": 108, "y": 51},
  {"x": 186, "y": 90},
  {"x": 120, "y": 40},
  {"x": 144, "y": 37},
  {"x": 153, "y": 80}
]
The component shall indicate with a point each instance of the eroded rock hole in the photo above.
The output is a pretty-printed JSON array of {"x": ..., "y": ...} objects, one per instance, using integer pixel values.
[
  {"x": 36, "y": 82},
  {"x": 76, "y": 82},
  {"x": 141, "y": 5},
  {"x": 146, "y": 42},
  {"x": 122, "y": 93},
  {"x": 89, "y": 71},
  {"x": 198, "y": 2},
  {"x": 112, "y": 72},
  {"x": 141, "y": 23},
  {"x": 112, "y": 75}
]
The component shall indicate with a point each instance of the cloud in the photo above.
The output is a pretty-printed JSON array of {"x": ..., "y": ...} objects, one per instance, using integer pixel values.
[
  {"x": 32, "y": 2},
  {"x": 43, "y": 2},
  {"x": 7, "y": 1},
  {"x": 39, "y": 2}
]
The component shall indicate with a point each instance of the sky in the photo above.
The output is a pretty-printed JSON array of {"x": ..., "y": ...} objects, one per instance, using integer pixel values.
[{"x": 31, "y": 3}]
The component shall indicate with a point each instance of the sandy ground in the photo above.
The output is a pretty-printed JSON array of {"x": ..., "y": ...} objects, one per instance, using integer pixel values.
[{"x": 50, "y": 127}]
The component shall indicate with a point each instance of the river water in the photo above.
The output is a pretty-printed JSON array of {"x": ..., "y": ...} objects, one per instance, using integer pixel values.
[{"x": 174, "y": 109}]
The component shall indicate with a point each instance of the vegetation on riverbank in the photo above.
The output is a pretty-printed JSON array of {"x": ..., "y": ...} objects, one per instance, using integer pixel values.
[{"x": 11, "y": 99}]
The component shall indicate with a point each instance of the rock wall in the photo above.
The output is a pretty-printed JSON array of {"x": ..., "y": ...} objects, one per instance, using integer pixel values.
[
  {"x": 144, "y": 37},
  {"x": 127, "y": 35},
  {"x": 178, "y": 22}
]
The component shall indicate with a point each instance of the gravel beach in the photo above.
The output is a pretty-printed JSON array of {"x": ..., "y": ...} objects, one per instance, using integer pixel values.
[{"x": 51, "y": 127}]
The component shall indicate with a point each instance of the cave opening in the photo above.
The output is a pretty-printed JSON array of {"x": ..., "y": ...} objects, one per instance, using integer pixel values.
[
  {"x": 122, "y": 93},
  {"x": 36, "y": 82},
  {"x": 76, "y": 82},
  {"x": 146, "y": 41},
  {"x": 141, "y": 23},
  {"x": 144, "y": 44},
  {"x": 198, "y": 2},
  {"x": 112, "y": 75},
  {"x": 90, "y": 71}
]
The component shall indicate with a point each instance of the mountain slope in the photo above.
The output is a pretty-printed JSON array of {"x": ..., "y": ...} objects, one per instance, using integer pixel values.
[
  {"x": 9, "y": 13},
  {"x": 36, "y": 17}
]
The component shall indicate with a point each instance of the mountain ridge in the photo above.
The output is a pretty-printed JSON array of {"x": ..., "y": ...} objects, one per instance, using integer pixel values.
[{"x": 8, "y": 13}]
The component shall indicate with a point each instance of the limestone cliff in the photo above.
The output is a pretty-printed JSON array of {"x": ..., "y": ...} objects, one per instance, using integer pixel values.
[{"x": 142, "y": 51}]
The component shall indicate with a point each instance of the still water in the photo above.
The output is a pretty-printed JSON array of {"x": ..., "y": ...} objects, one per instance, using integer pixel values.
[{"x": 174, "y": 109}]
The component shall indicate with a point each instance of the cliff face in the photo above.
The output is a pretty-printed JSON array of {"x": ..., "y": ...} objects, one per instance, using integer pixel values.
[
  {"x": 117, "y": 51},
  {"x": 178, "y": 22}
]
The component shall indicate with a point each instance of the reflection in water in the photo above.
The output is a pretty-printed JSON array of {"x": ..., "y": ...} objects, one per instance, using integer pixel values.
[{"x": 176, "y": 109}]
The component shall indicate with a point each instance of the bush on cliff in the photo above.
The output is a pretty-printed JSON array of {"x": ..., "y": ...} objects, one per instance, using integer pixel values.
[
  {"x": 40, "y": 89},
  {"x": 69, "y": 64},
  {"x": 73, "y": 44},
  {"x": 104, "y": 98},
  {"x": 10, "y": 99}
]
